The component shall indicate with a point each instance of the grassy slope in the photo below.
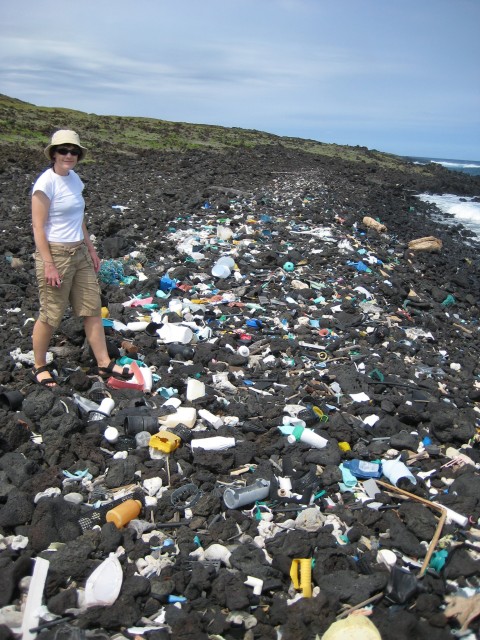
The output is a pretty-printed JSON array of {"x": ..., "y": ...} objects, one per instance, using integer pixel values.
[{"x": 32, "y": 126}]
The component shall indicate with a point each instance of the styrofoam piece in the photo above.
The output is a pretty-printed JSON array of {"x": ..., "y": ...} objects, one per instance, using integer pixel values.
[
  {"x": 34, "y": 598},
  {"x": 104, "y": 584}
]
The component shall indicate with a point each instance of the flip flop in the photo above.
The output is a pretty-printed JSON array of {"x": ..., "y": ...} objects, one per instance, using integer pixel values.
[
  {"x": 107, "y": 372},
  {"x": 46, "y": 382}
]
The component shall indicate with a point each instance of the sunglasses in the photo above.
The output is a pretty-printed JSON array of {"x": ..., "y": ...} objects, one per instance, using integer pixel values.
[{"x": 63, "y": 151}]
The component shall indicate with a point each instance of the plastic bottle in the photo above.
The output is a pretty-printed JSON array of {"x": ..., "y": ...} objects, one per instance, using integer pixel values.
[
  {"x": 396, "y": 470},
  {"x": 307, "y": 436},
  {"x": 211, "y": 418},
  {"x": 84, "y": 404},
  {"x": 124, "y": 512},
  {"x": 216, "y": 443},
  {"x": 104, "y": 410},
  {"x": 363, "y": 469},
  {"x": 235, "y": 498}
]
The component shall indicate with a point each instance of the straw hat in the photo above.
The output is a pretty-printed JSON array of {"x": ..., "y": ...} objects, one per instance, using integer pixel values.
[{"x": 65, "y": 136}]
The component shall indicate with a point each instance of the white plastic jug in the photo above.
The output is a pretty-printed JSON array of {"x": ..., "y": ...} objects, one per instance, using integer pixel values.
[{"x": 183, "y": 415}]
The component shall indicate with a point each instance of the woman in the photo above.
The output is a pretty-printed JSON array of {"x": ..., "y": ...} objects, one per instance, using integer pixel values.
[{"x": 65, "y": 258}]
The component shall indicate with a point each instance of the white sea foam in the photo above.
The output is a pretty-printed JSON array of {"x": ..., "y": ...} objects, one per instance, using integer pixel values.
[{"x": 465, "y": 211}]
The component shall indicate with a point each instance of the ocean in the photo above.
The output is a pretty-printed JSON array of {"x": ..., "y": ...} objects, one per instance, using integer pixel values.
[{"x": 465, "y": 210}]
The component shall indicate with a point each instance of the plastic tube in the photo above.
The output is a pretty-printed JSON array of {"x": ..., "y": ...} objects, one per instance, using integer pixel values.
[
  {"x": 307, "y": 436},
  {"x": 304, "y": 582},
  {"x": 235, "y": 498}
]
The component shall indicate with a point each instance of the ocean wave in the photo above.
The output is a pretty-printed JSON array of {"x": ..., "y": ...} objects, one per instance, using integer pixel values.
[{"x": 459, "y": 165}]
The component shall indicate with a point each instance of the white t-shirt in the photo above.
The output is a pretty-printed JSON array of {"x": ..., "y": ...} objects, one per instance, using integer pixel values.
[{"x": 67, "y": 206}]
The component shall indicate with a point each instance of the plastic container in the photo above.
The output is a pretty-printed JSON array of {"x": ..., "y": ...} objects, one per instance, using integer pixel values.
[
  {"x": 165, "y": 441},
  {"x": 215, "y": 443},
  {"x": 235, "y": 498},
  {"x": 124, "y": 512},
  {"x": 170, "y": 332},
  {"x": 183, "y": 415},
  {"x": 195, "y": 389},
  {"x": 307, "y": 436},
  {"x": 301, "y": 575},
  {"x": 243, "y": 351}
]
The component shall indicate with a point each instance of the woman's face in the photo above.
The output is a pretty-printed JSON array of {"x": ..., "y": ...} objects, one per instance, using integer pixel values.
[{"x": 65, "y": 157}]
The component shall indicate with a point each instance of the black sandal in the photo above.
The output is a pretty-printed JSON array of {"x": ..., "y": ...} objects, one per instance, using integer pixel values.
[
  {"x": 46, "y": 382},
  {"x": 108, "y": 372}
]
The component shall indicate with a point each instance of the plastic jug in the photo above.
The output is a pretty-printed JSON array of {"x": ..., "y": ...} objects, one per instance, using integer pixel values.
[{"x": 183, "y": 415}]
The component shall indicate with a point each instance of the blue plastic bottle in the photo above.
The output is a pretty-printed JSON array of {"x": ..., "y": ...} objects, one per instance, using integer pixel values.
[{"x": 364, "y": 469}]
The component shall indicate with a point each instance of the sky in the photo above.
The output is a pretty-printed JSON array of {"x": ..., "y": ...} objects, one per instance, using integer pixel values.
[{"x": 399, "y": 76}]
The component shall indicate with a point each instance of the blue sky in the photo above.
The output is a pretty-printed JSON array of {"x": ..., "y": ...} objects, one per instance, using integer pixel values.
[{"x": 401, "y": 76}]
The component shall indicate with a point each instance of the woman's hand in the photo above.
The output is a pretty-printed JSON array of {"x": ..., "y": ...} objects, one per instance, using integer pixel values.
[
  {"x": 52, "y": 277},
  {"x": 95, "y": 258}
]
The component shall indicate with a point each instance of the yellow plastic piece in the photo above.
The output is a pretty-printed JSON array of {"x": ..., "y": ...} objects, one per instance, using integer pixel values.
[
  {"x": 165, "y": 441},
  {"x": 105, "y": 312},
  {"x": 304, "y": 583},
  {"x": 344, "y": 446}
]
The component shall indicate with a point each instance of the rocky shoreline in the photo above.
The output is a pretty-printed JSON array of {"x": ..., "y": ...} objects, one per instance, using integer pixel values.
[{"x": 375, "y": 345}]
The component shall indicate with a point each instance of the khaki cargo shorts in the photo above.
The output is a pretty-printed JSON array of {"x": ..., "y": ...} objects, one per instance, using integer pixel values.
[{"x": 79, "y": 284}]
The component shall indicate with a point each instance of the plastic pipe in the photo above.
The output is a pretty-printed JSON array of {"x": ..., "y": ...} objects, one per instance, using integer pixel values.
[
  {"x": 256, "y": 583},
  {"x": 304, "y": 581},
  {"x": 235, "y": 498},
  {"x": 307, "y": 436}
]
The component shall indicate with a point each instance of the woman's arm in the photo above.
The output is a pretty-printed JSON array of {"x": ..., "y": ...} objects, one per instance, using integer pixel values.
[{"x": 40, "y": 208}]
